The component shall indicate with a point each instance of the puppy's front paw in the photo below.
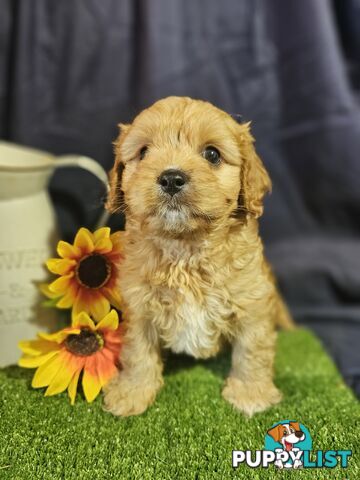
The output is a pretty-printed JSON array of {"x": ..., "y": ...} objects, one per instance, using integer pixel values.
[
  {"x": 125, "y": 397},
  {"x": 250, "y": 398}
]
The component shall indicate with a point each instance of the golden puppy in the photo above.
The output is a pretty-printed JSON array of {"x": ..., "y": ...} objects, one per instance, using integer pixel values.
[{"x": 194, "y": 274}]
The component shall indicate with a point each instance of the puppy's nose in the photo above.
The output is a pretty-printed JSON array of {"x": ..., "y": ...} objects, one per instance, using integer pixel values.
[
  {"x": 172, "y": 181},
  {"x": 299, "y": 433}
]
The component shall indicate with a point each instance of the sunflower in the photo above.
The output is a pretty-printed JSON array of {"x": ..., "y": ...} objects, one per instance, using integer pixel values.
[
  {"x": 84, "y": 347},
  {"x": 88, "y": 272}
]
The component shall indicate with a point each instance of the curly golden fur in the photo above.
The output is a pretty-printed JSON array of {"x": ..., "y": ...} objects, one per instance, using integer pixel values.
[{"x": 194, "y": 275}]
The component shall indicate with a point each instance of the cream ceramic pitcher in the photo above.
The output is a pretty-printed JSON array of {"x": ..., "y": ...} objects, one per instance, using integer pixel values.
[{"x": 28, "y": 236}]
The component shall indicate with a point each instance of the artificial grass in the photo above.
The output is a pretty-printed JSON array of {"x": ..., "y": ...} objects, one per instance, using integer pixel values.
[{"x": 189, "y": 433}]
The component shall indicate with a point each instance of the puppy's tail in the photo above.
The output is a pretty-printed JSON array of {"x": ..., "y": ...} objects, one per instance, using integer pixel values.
[{"x": 282, "y": 317}]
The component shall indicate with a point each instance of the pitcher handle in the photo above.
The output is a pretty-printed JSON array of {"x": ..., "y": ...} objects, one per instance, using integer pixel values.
[{"x": 87, "y": 163}]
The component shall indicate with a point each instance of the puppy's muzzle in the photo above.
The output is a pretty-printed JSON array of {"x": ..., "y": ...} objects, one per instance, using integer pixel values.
[{"x": 172, "y": 181}]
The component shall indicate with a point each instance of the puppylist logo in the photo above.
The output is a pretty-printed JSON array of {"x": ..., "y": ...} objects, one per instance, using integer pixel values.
[{"x": 288, "y": 444}]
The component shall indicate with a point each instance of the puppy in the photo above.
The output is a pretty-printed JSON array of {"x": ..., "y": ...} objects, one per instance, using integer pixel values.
[
  {"x": 194, "y": 274},
  {"x": 288, "y": 435}
]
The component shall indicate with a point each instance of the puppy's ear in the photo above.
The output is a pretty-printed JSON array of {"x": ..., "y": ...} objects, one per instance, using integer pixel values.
[
  {"x": 296, "y": 426},
  {"x": 254, "y": 179},
  {"x": 115, "y": 199},
  {"x": 276, "y": 432}
]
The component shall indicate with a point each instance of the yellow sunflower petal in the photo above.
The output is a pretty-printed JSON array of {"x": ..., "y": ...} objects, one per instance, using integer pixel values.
[
  {"x": 66, "y": 250},
  {"x": 63, "y": 377},
  {"x": 72, "y": 388},
  {"x": 90, "y": 382},
  {"x": 99, "y": 307},
  {"x": 114, "y": 297},
  {"x": 117, "y": 241},
  {"x": 68, "y": 299},
  {"x": 61, "y": 284},
  {"x": 60, "y": 266},
  {"x": 101, "y": 233},
  {"x": 84, "y": 241},
  {"x": 46, "y": 372},
  {"x": 59, "y": 336},
  {"x": 44, "y": 288},
  {"x": 36, "y": 347},
  {"x": 110, "y": 321},
  {"x": 104, "y": 245},
  {"x": 27, "y": 361},
  {"x": 80, "y": 304},
  {"x": 83, "y": 320}
]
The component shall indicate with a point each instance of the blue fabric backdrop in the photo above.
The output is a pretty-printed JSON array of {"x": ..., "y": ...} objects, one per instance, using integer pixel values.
[{"x": 70, "y": 71}]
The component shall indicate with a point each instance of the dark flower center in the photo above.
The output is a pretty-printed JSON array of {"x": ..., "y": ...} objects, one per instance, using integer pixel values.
[
  {"x": 93, "y": 271},
  {"x": 84, "y": 344}
]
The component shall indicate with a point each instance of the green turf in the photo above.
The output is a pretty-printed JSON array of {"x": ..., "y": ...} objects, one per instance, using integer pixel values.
[{"x": 189, "y": 433}]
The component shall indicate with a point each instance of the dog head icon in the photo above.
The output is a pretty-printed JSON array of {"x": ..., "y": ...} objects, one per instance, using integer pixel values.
[{"x": 287, "y": 434}]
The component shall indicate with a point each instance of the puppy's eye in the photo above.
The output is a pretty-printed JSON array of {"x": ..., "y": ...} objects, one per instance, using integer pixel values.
[
  {"x": 212, "y": 155},
  {"x": 143, "y": 152}
]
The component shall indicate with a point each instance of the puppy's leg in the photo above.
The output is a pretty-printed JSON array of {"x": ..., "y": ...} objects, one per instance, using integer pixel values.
[
  {"x": 135, "y": 387},
  {"x": 249, "y": 386}
]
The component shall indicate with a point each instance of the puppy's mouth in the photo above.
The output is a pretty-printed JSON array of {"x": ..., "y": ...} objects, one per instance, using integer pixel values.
[
  {"x": 179, "y": 210},
  {"x": 288, "y": 446},
  {"x": 173, "y": 212}
]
